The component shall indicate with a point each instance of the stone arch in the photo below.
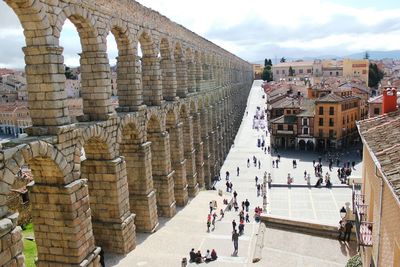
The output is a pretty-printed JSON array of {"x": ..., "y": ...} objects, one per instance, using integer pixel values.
[
  {"x": 94, "y": 65},
  {"x": 150, "y": 66},
  {"x": 161, "y": 166},
  {"x": 191, "y": 70},
  {"x": 181, "y": 71},
  {"x": 113, "y": 224},
  {"x": 53, "y": 202},
  {"x": 168, "y": 71},
  {"x": 137, "y": 154},
  {"x": 128, "y": 90},
  {"x": 178, "y": 162}
]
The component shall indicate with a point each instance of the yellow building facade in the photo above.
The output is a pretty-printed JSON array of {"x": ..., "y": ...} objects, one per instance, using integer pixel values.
[
  {"x": 356, "y": 69},
  {"x": 376, "y": 202},
  {"x": 335, "y": 120}
]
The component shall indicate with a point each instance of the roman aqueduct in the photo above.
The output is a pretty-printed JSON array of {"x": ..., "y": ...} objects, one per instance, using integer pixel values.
[{"x": 114, "y": 172}]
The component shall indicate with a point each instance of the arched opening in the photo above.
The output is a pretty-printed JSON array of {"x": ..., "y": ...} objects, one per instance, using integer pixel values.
[
  {"x": 125, "y": 87},
  {"x": 205, "y": 139},
  {"x": 161, "y": 167},
  {"x": 93, "y": 69},
  {"x": 302, "y": 145},
  {"x": 142, "y": 198},
  {"x": 112, "y": 221},
  {"x": 181, "y": 71},
  {"x": 174, "y": 128},
  {"x": 310, "y": 145},
  {"x": 197, "y": 143},
  {"x": 168, "y": 71},
  {"x": 150, "y": 69}
]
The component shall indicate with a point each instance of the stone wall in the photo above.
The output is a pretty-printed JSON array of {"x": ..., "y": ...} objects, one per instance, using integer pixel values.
[{"x": 100, "y": 180}]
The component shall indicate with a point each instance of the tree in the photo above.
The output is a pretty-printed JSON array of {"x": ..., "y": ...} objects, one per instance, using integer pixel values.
[
  {"x": 366, "y": 55},
  {"x": 267, "y": 62},
  {"x": 291, "y": 71},
  {"x": 283, "y": 59},
  {"x": 267, "y": 73},
  {"x": 375, "y": 75}
]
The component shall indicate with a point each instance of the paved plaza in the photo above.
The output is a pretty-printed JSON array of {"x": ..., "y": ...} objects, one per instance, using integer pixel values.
[{"x": 176, "y": 236}]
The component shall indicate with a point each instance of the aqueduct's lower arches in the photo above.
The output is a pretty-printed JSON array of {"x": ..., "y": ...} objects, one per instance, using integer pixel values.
[{"x": 98, "y": 183}]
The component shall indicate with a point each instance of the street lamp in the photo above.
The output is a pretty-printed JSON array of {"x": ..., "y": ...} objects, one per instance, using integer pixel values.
[{"x": 343, "y": 212}]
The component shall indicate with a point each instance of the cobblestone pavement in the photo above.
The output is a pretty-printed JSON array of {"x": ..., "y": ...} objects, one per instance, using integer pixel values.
[{"x": 186, "y": 230}]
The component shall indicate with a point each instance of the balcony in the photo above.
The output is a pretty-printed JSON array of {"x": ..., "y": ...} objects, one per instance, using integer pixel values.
[{"x": 363, "y": 227}]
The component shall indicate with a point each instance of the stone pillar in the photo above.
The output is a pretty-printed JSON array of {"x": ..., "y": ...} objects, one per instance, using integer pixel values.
[
  {"x": 151, "y": 80},
  {"x": 62, "y": 224},
  {"x": 199, "y": 75},
  {"x": 191, "y": 174},
  {"x": 142, "y": 196},
  {"x": 96, "y": 86},
  {"x": 11, "y": 240},
  {"x": 191, "y": 76},
  {"x": 163, "y": 176},
  {"x": 130, "y": 96},
  {"x": 46, "y": 87},
  {"x": 182, "y": 77},
  {"x": 198, "y": 145},
  {"x": 178, "y": 163},
  {"x": 206, "y": 151},
  {"x": 113, "y": 222},
  {"x": 169, "y": 83}
]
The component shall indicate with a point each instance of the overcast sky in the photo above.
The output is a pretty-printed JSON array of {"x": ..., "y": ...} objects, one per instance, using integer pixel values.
[{"x": 252, "y": 29}]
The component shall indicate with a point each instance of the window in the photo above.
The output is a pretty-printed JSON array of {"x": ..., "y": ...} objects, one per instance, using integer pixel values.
[
  {"x": 283, "y": 72},
  {"x": 321, "y": 110},
  {"x": 330, "y": 73},
  {"x": 308, "y": 70},
  {"x": 321, "y": 122},
  {"x": 290, "y": 127},
  {"x": 305, "y": 122},
  {"x": 331, "y": 111},
  {"x": 289, "y": 111},
  {"x": 305, "y": 130},
  {"x": 330, "y": 122},
  {"x": 377, "y": 111},
  {"x": 321, "y": 133},
  {"x": 337, "y": 73},
  {"x": 300, "y": 71},
  {"x": 331, "y": 133},
  {"x": 280, "y": 127},
  {"x": 277, "y": 71}
]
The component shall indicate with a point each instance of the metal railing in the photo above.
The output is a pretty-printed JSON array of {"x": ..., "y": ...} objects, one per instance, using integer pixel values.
[{"x": 363, "y": 227}]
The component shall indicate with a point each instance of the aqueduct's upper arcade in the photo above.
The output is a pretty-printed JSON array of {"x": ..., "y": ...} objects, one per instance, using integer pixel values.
[{"x": 116, "y": 170}]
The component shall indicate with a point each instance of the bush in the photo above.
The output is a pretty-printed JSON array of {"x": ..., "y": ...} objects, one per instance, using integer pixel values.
[{"x": 354, "y": 261}]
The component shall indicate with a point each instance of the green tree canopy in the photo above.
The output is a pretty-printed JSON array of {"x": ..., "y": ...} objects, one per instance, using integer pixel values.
[
  {"x": 267, "y": 62},
  {"x": 267, "y": 73},
  {"x": 375, "y": 75},
  {"x": 291, "y": 71}
]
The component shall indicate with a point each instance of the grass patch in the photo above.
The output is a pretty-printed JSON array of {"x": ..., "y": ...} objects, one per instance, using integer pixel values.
[{"x": 30, "y": 250}]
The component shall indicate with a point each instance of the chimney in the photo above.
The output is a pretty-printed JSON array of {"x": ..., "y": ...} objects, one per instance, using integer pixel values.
[{"x": 389, "y": 100}]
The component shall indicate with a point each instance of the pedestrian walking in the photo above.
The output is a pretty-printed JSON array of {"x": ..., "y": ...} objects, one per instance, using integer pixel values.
[
  {"x": 305, "y": 175},
  {"x": 235, "y": 240},
  {"x": 242, "y": 205},
  {"x": 347, "y": 230},
  {"x": 211, "y": 206},
  {"x": 256, "y": 180},
  {"x": 247, "y": 204},
  {"x": 213, "y": 220},
  {"x": 237, "y": 171},
  {"x": 276, "y": 163},
  {"x": 221, "y": 213},
  {"x": 234, "y": 225},
  {"x": 279, "y": 157},
  {"x": 265, "y": 150},
  {"x": 227, "y": 186},
  {"x": 235, "y": 195},
  {"x": 313, "y": 162},
  {"x": 273, "y": 163},
  {"x": 259, "y": 164},
  {"x": 248, "y": 163},
  {"x": 247, "y": 218},
  {"x": 227, "y": 175},
  {"x": 230, "y": 186}
]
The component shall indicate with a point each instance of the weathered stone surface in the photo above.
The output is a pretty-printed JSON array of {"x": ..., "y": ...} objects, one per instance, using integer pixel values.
[{"x": 100, "y": 180}]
